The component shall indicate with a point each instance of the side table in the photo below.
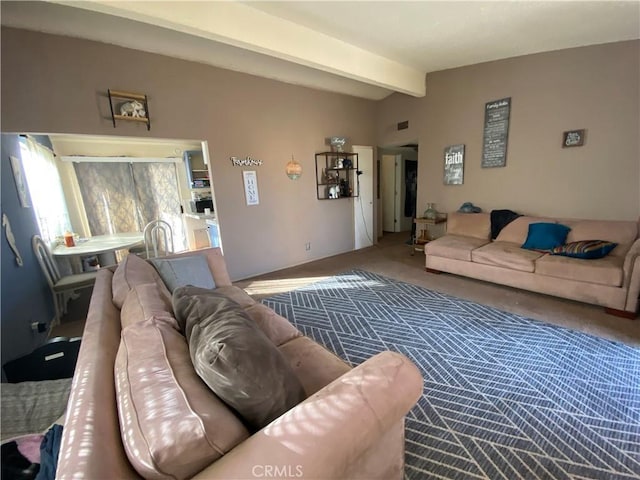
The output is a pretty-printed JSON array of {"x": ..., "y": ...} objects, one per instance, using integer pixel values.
[{"x": 423, "y": 235}]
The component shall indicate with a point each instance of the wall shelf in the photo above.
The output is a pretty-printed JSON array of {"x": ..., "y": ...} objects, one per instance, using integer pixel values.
[
  {"x": 137, "y": 97},
  {"x": 336, "y": 175}
]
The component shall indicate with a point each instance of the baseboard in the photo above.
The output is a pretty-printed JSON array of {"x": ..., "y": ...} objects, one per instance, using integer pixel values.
[{"x": 621, "y": 313}]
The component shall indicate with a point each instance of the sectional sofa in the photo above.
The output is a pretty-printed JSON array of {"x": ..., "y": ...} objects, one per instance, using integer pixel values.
[
  {"x": 137, "y": 409},
  {"x": 612, "y": 281}
]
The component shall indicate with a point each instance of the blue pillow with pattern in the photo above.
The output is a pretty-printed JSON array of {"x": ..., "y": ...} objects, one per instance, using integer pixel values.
[{"x": 589, "y": 249}]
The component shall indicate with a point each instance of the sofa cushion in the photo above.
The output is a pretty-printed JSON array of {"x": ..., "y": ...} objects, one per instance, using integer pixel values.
[
  {"x": 145, "y": 301},
  {"x": 517, "y": 230},
  {"x": 172, "y": 425},
  {"x": 621, "y": 232},
  {"x": 456, "y": 247},
  {"x": 506, "y": 254},
  {"x": 132, "y": 271},
  {"x": 216, "y": 262},
  {"x": 181, "y": 271},
  {"x": 276, "y": 328},
  {"x": 603, "y": 271},
  {"x": 476, "y": 225},
  {"x": 586, "y": 249},
  {"x": 545, "y": 236},
  {"x": 235, "y": 358}
]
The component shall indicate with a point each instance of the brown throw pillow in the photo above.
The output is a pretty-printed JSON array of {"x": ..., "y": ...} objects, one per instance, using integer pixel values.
[{"x": 235, "y": 358}]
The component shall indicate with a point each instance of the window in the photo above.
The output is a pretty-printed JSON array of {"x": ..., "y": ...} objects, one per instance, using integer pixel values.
[{"x": 45, "y": 187}]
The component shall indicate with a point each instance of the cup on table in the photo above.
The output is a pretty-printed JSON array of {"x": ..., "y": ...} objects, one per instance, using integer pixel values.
[{"x": 207, "y": 211}]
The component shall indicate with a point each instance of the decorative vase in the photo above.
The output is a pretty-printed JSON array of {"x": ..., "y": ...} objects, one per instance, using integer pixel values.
[{"x": 431, "y": 213}]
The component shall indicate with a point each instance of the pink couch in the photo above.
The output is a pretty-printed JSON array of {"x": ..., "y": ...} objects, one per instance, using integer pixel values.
[
  {"x": 612, "y": 281},
  {"x": 350, "y": 426}
]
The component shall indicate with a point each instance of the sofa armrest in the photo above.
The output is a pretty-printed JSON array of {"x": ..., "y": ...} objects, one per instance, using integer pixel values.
[
  {"x": 322, "y": 436},
  {"x": 91, "y": 442},
  {"x": 631, "y": 280},
  {"x": 629, "y": 262}
]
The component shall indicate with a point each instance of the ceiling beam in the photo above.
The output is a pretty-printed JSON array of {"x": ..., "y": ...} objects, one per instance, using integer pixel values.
[{"x": 242, "y": 26}]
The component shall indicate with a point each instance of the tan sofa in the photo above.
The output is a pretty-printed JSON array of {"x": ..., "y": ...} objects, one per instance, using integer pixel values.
[
  {"x": 612, "y": 281},
  {"x": 351, "y": 425}
]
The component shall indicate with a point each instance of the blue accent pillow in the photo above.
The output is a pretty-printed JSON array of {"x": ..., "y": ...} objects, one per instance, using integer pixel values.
[
  {"x": 546, "y": 236},
  {"x": 588, "y": 249},
  {"x": 178, "y": 272}
]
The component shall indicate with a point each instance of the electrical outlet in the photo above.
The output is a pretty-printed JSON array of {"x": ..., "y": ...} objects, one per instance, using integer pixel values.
[
  {"x": 307, "y": 246},
  {"x": 38, "y": 327}
]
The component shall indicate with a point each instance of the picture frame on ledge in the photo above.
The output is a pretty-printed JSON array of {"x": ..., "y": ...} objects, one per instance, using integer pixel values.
[{"x": 573, "y": 138}]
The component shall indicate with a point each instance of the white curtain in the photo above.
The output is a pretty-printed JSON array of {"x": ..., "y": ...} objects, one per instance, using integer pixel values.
[
  {"x": 45, "y": 187},
  {"x": 123, "y": 197}
]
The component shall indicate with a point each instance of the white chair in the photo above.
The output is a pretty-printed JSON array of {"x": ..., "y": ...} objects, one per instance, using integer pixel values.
[
  {"x": 158, "y": 238},
  {"x": 61, "y": 287}
]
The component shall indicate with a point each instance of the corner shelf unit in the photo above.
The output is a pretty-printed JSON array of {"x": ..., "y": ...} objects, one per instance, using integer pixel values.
[
  {"x": 129, "y": 96},
  {"x": 337, "y": 175}
]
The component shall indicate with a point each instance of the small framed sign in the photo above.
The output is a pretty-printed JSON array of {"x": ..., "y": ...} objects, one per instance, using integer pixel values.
[
  {"x": 573, "y": 138},
  {"x": 251, "y": 187},
  {"x": 21, "y": 181},
  {"x": 454, "y": 165}
]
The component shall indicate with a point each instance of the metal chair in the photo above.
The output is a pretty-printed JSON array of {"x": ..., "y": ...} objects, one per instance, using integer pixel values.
[
  {"x": 158, "y": 233},
  {"x": 61, "y": 287}
]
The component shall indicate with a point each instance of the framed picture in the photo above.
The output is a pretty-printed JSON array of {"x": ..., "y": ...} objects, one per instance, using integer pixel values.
[
  {"x": 454, "y": 165},
  {"x": 573, "y": 138},
  {"x": 21, "y": 183}
]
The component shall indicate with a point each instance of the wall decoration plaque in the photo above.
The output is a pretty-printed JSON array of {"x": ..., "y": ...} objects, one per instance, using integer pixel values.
[
  {"x": 21, "y": 181},
  {"x": 573, "y": 138},
  {"x": 454, "y": 165},
  {"x": 496, "y": 133},
  {"x": 251, "y": 187}
]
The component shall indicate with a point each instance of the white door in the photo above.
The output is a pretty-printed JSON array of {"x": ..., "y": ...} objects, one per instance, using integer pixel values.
[
  {"x": 389, "y": 192},
  {"x": 363, "y": 204}
]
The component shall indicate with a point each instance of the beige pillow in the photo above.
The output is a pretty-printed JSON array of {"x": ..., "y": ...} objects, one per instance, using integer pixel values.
[
  {"x": 477, "y": 225},
  {"x": 145, "y": 301},
  {"x": 518, "y": 230},
  {"x": 132, "y": 271},
  {"x": 172, "y": 425}
]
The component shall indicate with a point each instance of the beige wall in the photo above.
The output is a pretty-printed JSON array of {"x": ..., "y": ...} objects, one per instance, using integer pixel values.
[
  {"x": 55, "y": 84},
  {"x": 596, "y": 88}
]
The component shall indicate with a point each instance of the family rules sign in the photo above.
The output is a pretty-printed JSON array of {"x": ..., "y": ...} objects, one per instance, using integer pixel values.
[{"x": 496, "y": 133}]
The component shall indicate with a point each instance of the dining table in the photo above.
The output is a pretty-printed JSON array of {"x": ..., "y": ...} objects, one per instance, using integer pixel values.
[{"x": 104, "y": 246}]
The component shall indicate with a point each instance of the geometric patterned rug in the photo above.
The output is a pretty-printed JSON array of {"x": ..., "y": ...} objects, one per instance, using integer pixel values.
[{"x": 505, "y": 397}]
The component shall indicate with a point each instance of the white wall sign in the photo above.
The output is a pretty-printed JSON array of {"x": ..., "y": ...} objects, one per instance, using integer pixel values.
[
  {"x": 245, "y": 162},
  {"x": 251, "y": 187}
]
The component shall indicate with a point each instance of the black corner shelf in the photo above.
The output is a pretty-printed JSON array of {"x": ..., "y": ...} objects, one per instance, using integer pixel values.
[{"x": 337, "y": 175}]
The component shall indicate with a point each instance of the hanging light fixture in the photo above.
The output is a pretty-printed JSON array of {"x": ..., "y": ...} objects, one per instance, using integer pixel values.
[{"x": 293, "y": 169}]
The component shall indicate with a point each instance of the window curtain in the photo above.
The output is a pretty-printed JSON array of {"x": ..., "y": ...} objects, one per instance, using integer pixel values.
[
  {"x": 124, "y": 197},
  {"x": 45, "y": 188}
]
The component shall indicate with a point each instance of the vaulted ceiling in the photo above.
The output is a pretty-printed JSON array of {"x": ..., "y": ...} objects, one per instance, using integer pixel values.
[{"x": 367, "y": 49}]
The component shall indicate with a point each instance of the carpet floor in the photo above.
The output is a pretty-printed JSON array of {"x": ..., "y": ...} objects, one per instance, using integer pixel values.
[{"x": 505, "y": 397}]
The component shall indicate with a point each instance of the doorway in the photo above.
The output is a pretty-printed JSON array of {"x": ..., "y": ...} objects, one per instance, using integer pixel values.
[
  {"x": 118, "y": 184},
  {"x": 398, "y": 174},
  {"x": 363, "y": 203}
]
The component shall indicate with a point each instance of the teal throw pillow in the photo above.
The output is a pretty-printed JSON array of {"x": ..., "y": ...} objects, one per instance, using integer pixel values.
[
  {"x": 546, "y": 236},
  {"x": 178, "y": 272},
  {"x": 588, "y": 249}
]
